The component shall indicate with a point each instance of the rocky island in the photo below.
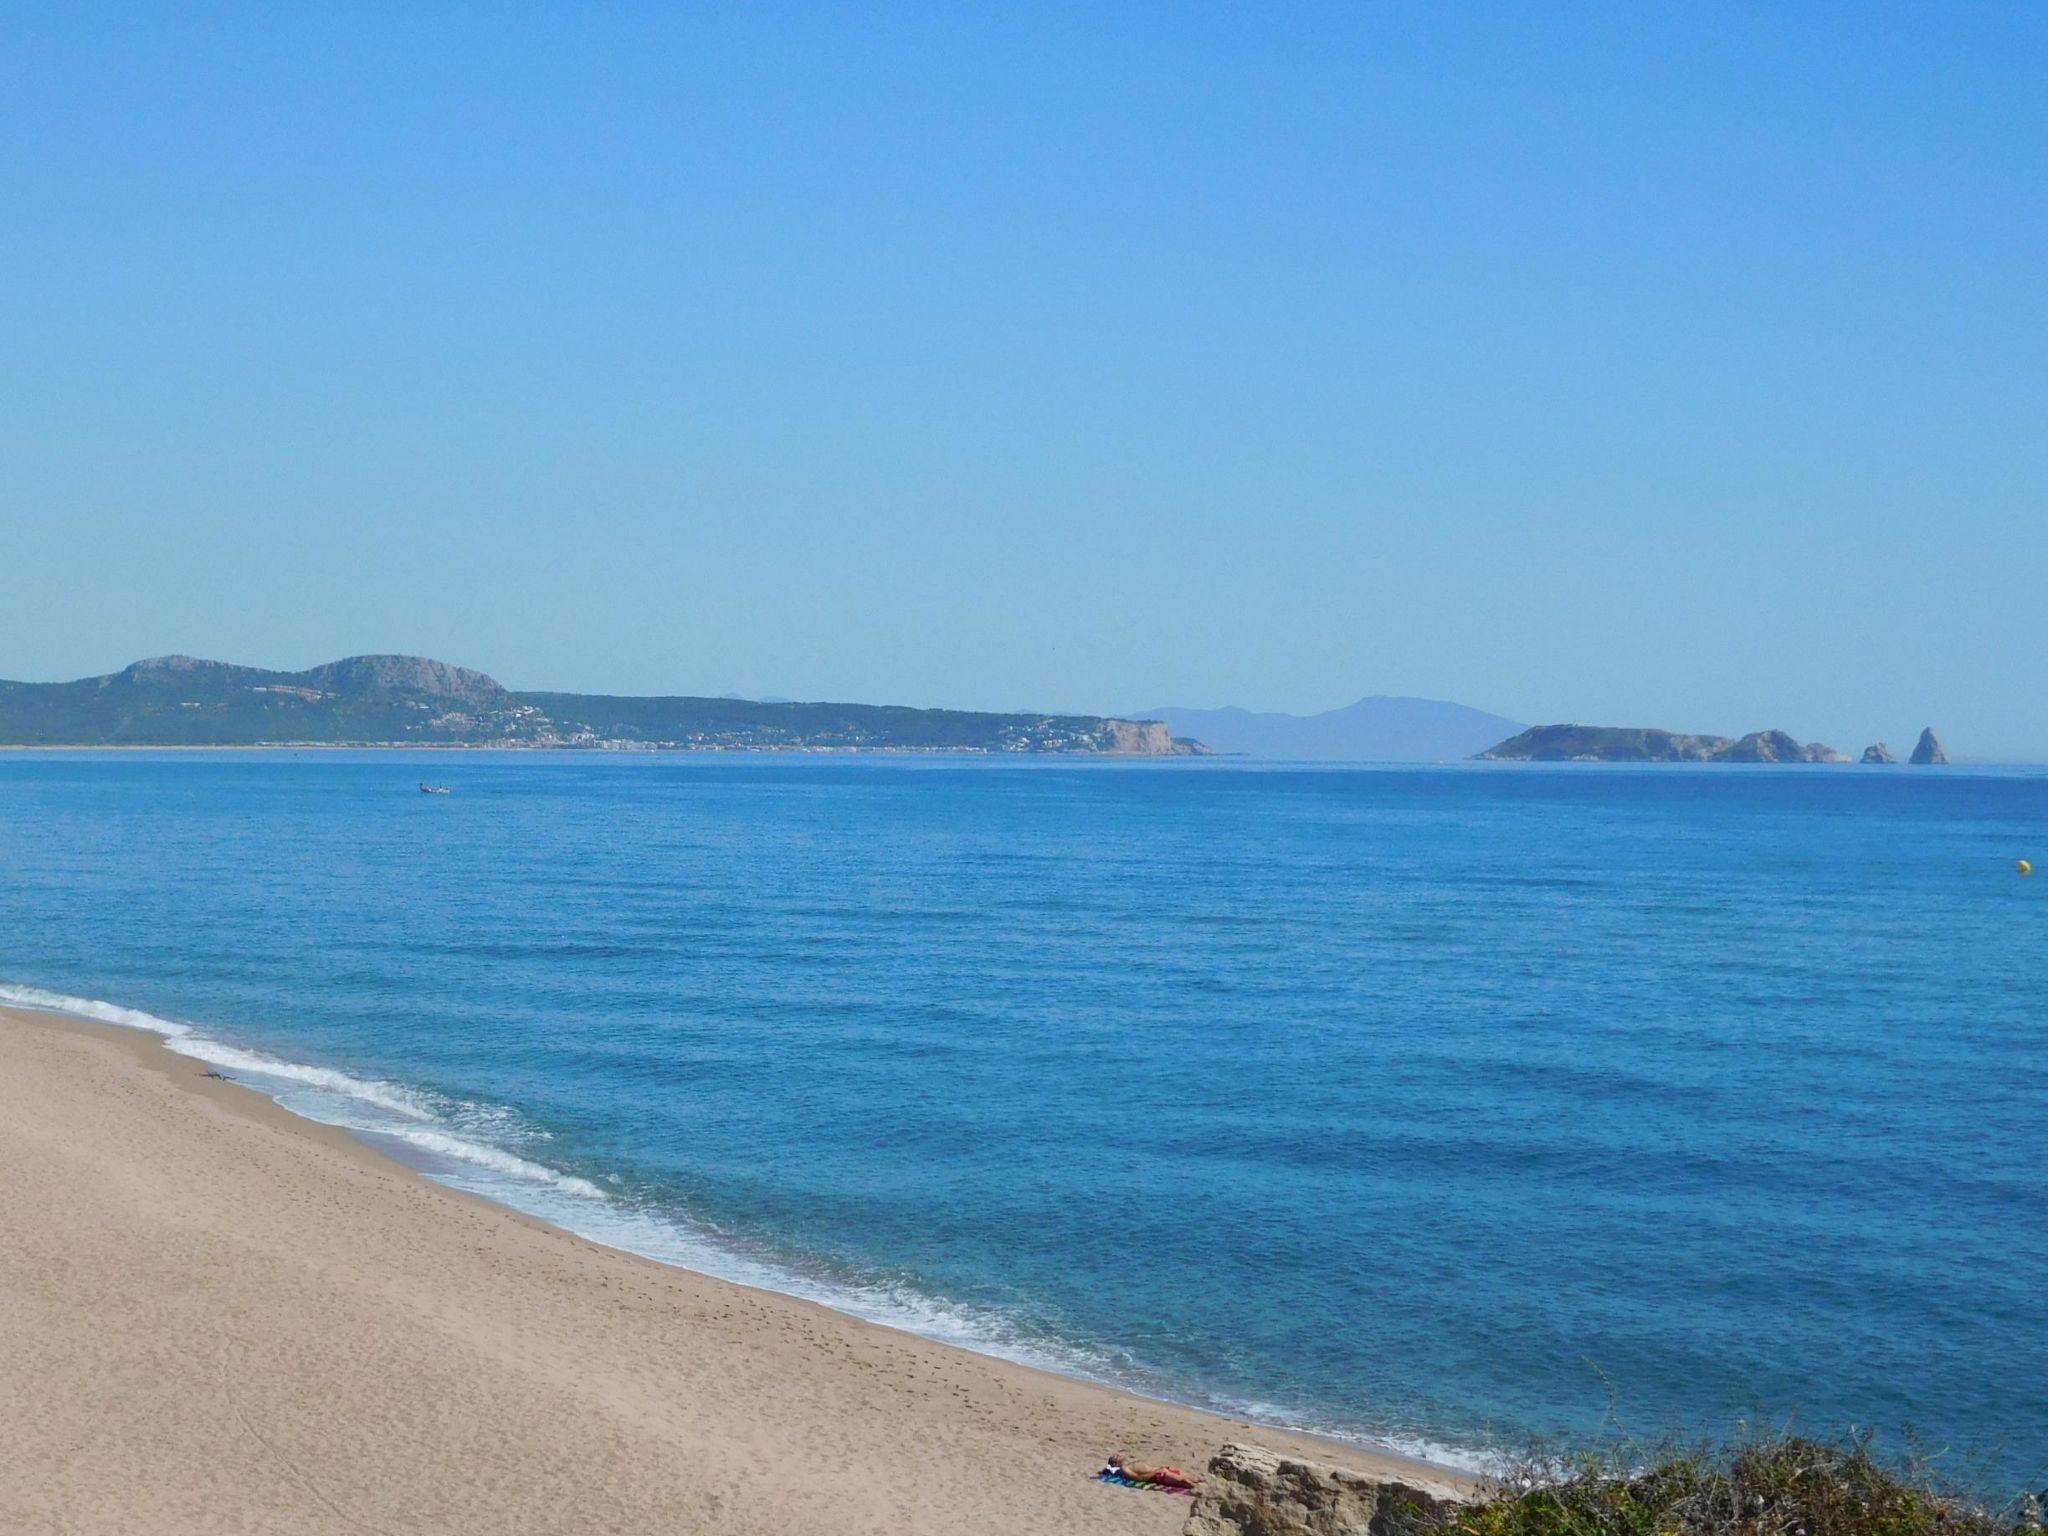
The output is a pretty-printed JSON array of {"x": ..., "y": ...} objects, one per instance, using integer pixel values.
[
  {"x": 374, "y": 701},
  {"x": 1630, "y": 744}
]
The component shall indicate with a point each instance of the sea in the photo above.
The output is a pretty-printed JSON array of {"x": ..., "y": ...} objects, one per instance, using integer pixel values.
[{"x": 1464, "y": 1110}]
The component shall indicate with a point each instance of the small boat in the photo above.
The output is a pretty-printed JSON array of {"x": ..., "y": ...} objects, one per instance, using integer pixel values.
[{"x": 435, "y": 789}]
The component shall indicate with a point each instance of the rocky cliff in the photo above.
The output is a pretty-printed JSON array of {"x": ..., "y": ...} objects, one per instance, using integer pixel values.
[{"x": 1146, "y": 738}]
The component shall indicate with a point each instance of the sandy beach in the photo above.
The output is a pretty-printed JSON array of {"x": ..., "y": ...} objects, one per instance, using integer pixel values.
[{"x": 217, "y": 1317}]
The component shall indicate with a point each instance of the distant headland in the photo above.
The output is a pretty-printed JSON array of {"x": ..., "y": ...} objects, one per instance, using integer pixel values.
[
  {"x": 1631, "y": 744},
  {"x": 365, "y": 701}
]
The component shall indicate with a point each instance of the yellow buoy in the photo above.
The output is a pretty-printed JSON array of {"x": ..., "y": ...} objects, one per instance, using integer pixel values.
[{"x": 2025, "y": 868}]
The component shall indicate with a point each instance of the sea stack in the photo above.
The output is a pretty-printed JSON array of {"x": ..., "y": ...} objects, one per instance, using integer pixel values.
[
  {"x": 1929, "y": 750},
  {"x": 1879, "y": 753}
]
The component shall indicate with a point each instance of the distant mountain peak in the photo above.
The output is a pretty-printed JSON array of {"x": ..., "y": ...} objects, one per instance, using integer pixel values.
[
  {"x": 1397, "y": 698},
  {"x": 405, "y": 674},
  {"x": 171, "y": 664},
  {"x": 1387, "y": 728}
]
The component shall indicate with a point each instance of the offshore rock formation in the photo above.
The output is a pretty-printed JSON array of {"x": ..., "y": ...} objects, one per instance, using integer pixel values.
[
  {"x": 1627, "y": 744},
  {"x": 1928, "y": 751},
  {"x": 1775, "y": 747},
  {"x": 1878, "y": 753},
  {"x": 1250, "y": 1491}
]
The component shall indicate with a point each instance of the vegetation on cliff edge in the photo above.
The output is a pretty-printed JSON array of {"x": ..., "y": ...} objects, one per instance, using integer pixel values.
[{"x": 1783, "y": 1485}]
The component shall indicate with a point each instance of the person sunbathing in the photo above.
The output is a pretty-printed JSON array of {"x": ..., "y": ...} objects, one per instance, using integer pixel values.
[{"x": 1145, "y": 1472}]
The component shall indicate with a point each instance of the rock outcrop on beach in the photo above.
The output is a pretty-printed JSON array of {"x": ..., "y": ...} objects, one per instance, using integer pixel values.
[
  {"x": 1878, "y": 752},
  {"x": 1928, "y": 751},
  {"x": 1250, "y": 1491},
  {"x": 1631, "y": 744}
]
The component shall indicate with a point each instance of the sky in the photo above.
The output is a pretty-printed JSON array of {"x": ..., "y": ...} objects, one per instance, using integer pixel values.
[{"x": 1623, "y": 364}]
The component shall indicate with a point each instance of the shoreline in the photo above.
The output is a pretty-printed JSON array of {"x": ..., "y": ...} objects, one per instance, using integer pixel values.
[
  {"x": 643, "y": 1389},
  {"x": 662, "y": 749}
]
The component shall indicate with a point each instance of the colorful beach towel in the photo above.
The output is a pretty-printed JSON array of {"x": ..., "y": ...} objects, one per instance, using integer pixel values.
[{"x": 1132, "y": 1482}]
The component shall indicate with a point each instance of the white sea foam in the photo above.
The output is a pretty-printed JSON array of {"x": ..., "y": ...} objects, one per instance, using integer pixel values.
[
  {"x": 430, "y": 1128},
  {"x": 229, "y": 1058},
  {"x": 496, "y": 1159},
  {"x": 188, "y": 1041},
  {"x": 89, "y": 1008}
]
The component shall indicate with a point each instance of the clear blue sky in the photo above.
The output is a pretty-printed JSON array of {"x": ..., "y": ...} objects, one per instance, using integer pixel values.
[{"x": 1680, "y": 365}]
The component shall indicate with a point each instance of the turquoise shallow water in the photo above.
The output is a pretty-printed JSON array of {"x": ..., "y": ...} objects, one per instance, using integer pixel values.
[{"x": 1441, "y": 1106}]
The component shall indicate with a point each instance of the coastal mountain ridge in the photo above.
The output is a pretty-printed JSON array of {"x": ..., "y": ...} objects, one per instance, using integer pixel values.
[
  {"x": 1633, "y": 744},
  {"x": 382, "y": 700},
  {"x": 1377, "y": 729}
]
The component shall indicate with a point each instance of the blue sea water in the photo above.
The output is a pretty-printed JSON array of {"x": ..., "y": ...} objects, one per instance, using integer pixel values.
[{"x": 1442, "y": 1107}]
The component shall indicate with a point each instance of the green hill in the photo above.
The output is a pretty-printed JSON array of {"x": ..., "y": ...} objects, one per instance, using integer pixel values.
[{"x": 412, "y": 701}]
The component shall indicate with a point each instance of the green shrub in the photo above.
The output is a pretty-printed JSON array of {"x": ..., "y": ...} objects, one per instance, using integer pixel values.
[{"x": 1778, "y": 1486}]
